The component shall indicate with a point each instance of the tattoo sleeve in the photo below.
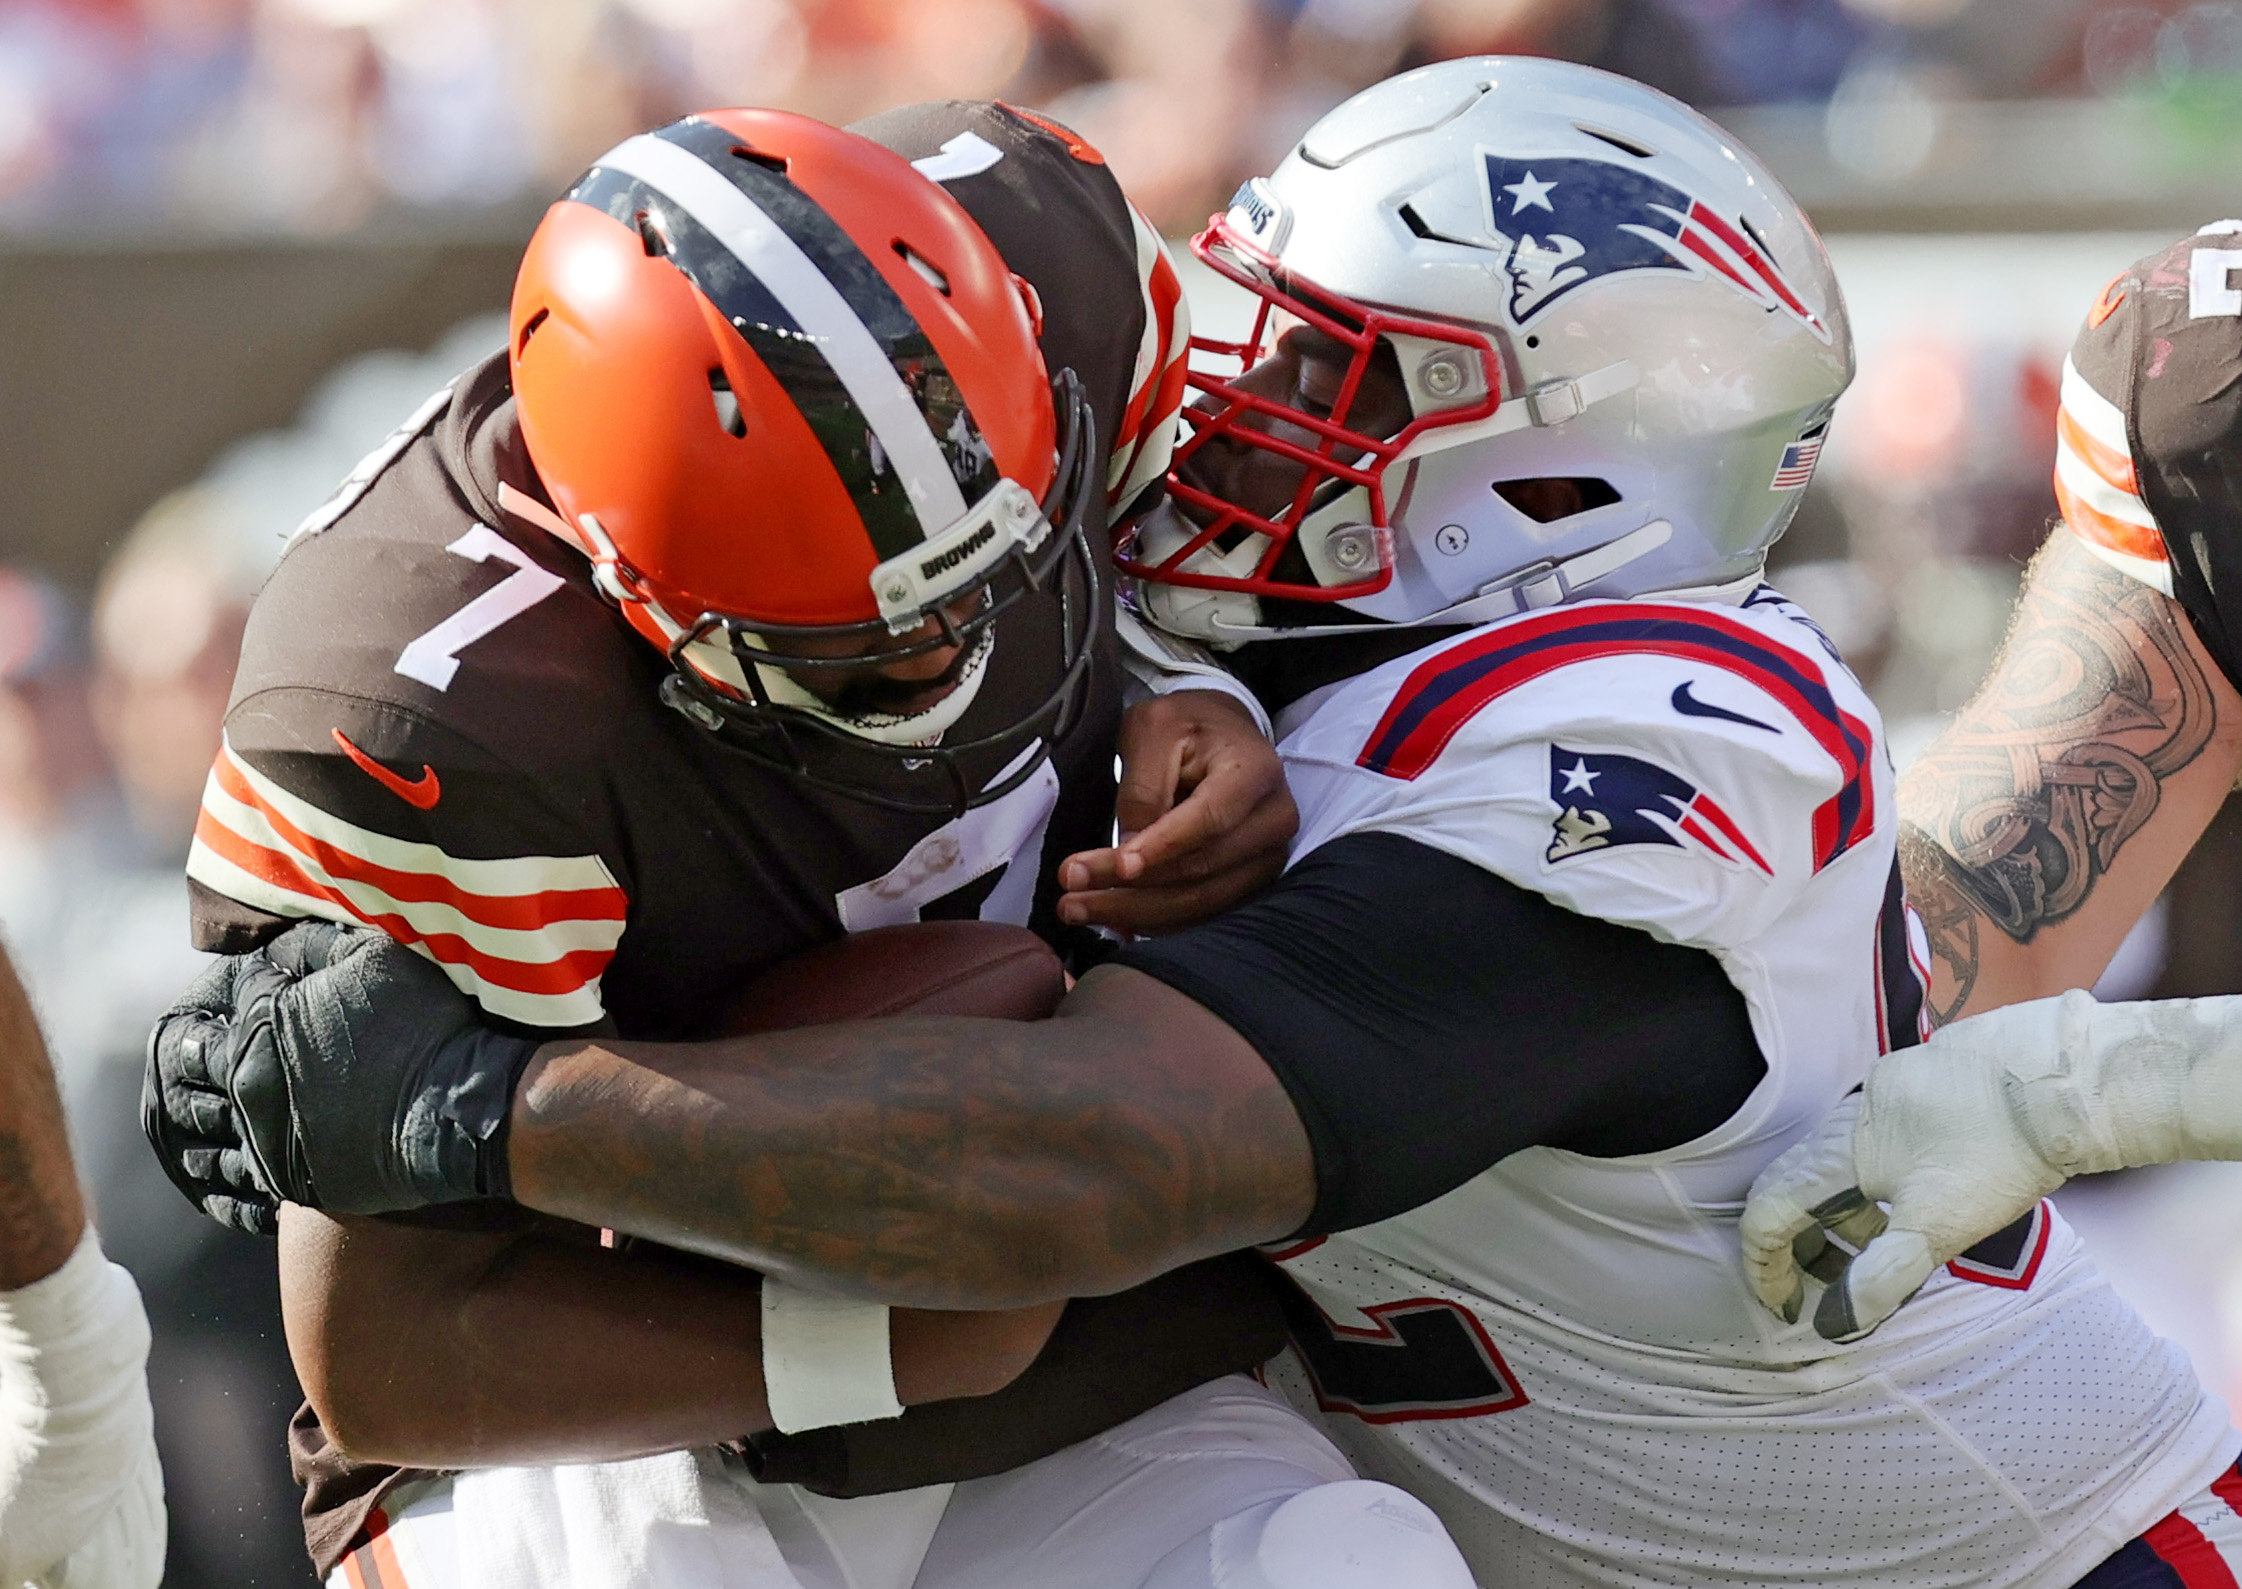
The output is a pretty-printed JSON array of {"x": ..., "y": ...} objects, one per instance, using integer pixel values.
[
  {"x": 930, "y": 1163},
  {"x": 2021, "y": 806}
]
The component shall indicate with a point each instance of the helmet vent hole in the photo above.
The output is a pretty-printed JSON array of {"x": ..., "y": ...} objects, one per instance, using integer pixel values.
[
  {"x": 927, "y": 270},
  {"x": 1420, "y": 227},
  {"x": 530, "y": 329},
  {"x": 651, "y": 236},
  {"x": 769, "y": 162},
  {"x": 1641, "y": 151},
  {"x": 1547, "y": 499},
  {"x": 728, "y": 412}
]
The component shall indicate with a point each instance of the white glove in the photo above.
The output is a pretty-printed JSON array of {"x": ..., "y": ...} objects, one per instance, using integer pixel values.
[
  {"x": 81, "y": 1494},
  {"x": 1961, "y": 1135}
]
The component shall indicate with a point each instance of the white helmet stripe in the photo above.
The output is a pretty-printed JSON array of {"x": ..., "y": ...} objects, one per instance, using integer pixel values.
[{"x": 817, "y": 306}]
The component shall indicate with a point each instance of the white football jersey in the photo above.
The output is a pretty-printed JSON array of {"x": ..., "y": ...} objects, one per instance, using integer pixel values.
[{"x": 1562, "y": 1355}]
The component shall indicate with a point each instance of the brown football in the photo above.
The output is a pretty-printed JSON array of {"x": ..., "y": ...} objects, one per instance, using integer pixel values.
[{"x": 982, "y": 968}]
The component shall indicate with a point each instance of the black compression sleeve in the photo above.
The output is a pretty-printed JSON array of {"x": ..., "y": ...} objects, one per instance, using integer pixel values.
[{"x": 1429, "y": 1019}]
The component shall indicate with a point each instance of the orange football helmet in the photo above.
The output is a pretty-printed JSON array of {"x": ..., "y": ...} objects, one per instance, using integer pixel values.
[{"x": 787, "y": 398}]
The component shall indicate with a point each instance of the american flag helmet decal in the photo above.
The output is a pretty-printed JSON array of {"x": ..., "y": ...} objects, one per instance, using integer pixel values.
[{"x": 1797, "y": 464}]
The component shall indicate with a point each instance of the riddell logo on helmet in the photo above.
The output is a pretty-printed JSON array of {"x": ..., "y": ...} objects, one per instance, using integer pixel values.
[{"x": 958, "y": 553}]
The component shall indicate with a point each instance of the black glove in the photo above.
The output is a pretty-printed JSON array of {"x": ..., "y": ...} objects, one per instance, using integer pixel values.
[{"x": 333, "y": 1068}]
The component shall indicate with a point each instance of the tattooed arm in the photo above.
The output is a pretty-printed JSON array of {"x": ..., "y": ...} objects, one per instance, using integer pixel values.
[
  {"x": 935, "y": 1163},
  {"x": 41, "y": 1212},
  {"x": 2040, "y": 825}
]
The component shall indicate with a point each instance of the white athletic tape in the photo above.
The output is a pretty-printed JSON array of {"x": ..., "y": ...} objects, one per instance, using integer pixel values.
[
  {"x": 1961, "y": 1135},
  {"x": 2096, "y": 1087},
  {"x": 81, "y": 1494},
  {"x": 825, "y": 1360}
]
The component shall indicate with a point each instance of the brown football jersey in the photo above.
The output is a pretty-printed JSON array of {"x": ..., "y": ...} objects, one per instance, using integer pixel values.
[
  {"x": 441, "y": 728},
  {"x": 2148, "y": 464}
]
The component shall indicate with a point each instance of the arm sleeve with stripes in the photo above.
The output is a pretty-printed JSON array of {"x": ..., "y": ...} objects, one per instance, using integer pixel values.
[{"x": 325, "y": 806}]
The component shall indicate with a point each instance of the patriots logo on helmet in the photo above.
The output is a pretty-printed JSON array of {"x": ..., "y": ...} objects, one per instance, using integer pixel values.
[
  {"x": 1572, "y": 221},
  {"x": 1606, "y": 800}
]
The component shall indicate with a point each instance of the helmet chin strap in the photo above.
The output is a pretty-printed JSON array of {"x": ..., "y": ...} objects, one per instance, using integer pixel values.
[
  {"x": 890, "y": 728},
  {"x": 1543, "y": 585}
]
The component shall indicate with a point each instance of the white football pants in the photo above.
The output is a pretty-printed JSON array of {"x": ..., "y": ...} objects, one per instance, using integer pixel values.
[{"x": 1223, "y": 1486}]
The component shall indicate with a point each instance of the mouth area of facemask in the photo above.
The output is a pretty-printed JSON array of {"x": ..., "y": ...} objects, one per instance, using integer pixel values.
[
  {"x": 924, "y": 727},
  {"x": 1206, "y": 615}
]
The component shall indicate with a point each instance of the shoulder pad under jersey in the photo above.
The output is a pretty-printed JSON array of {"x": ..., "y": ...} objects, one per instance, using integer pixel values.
[{"x": 1682, "y": 768}]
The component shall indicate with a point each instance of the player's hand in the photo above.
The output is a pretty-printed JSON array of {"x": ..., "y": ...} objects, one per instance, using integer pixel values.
[
  {"x": 189, "y": 1118},
  {"x": 333, "y": 1068},
  {"x": 1938, "y": 1134},
  {"x": 1204, "y": 814}
]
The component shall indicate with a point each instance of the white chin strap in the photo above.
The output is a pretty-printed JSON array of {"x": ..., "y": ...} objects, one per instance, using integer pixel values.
[{"x": 716, "y": 661}]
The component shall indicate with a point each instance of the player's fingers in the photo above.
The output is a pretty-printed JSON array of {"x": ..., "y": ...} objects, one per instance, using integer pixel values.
[
  {"x": 189, "y": 1049},
  {"x": 1153, "y": 745},
  {"x": 1851, "y": 1217},
  {"x": 1780, "y": 1288},
  {"x": 212, "y": 992},
  {"x": 243, "y": 1214},
  {"x": 1188, "y": 835},
  {"x": 237, "y": 1171},
  {"x": 1141, "y": 909},
  {"x": 1228, "y": 868},
  {"x": 199, "y": 1113},
  {"x": 1782, "y": 1225},
  {"x": 1881, "y": 1276},
  {"x": 1238, "y": 814},
  {"x": 1771, "y": 1226},
  {"x": 1819, "y": 1256},
  {"x": 1088, "y": 869},
  {"x": 1130, "y": 910}
]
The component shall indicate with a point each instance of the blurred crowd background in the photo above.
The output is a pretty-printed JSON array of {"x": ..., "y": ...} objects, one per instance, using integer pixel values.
[
  {"x": 241, "y": 239},
  {"x": 310, "y": 115}
]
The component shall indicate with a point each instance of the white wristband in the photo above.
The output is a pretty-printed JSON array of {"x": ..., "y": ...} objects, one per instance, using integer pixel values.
[
  {"x": 825, "y": 1359},
  {"x": 81, "y": 1495}
]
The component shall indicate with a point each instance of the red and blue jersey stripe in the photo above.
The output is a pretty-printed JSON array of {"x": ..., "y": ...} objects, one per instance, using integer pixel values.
[
  {"x": 2198, "y": 1546},
  {"x": 1447, "y": 690}
]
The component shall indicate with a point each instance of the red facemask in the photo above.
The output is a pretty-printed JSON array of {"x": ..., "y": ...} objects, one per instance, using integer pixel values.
[{"x": 1243, "y": 417}]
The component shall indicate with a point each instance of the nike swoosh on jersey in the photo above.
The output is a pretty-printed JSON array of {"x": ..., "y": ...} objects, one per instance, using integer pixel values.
[
  {"x": 421, "y": 793},
  {"x": 1690, "y": 706},
  {"x": 529, "y": 937}
]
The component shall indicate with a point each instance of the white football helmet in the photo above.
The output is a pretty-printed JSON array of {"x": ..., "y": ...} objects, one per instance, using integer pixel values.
[{"x": 1582, "y": 280}]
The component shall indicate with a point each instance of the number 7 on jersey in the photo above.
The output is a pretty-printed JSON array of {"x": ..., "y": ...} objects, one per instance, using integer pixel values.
[{"x": 433, "y": 658}]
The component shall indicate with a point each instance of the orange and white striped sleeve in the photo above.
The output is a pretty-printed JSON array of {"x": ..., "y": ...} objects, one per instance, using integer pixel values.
[
  {"x": 2097, "y": 488},
  {"x": 1145, "y": 437},
  {"x": 527, "y": 936}
]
